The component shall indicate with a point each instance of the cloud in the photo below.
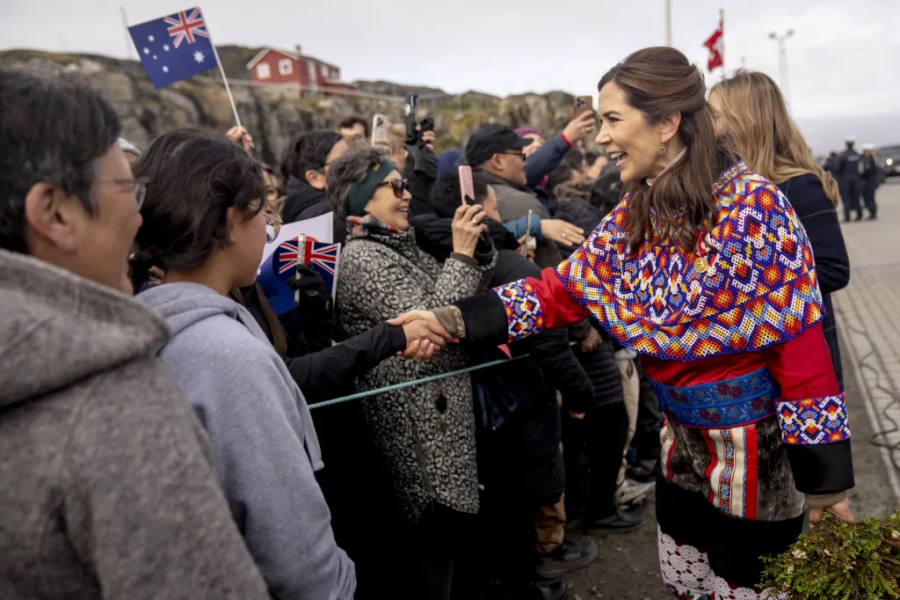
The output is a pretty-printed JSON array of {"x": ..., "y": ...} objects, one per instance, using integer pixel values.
[{"x": 841, "y": 61}]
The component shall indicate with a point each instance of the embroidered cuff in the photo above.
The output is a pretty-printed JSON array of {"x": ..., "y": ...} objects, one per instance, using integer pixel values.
[
  {"x": 524, "y": 314},
  {"x": 814, "y": 421}
]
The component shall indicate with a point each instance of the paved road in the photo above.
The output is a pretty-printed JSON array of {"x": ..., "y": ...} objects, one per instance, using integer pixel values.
[{"x": 868, "y": 316}]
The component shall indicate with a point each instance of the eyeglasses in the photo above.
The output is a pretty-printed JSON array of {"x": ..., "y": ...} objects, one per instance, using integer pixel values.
[
  {"x": 273, "y": 226},
  {"x": 138, "y": 187},
  {"x": 522, "y": 155},
  {"x": 399, "y": 185}
]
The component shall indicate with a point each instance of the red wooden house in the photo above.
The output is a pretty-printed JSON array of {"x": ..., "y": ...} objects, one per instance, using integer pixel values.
[{"x": 272, "y": 65}]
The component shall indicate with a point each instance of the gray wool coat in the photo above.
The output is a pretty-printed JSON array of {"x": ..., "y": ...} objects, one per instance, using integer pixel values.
[{"x": 426, "y": 432}]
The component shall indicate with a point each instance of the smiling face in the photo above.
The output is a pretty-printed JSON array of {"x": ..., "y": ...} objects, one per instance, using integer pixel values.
[
  {"x": 387, "y": 207},
  {"x": 631, "y": 140}
]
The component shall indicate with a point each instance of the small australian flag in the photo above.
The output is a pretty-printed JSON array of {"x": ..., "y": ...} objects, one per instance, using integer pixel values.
[{"x": 175, "y": 47}]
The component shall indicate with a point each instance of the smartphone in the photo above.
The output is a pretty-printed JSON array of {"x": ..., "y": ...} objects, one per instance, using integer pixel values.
[
  {"x": 582, "y": 105},
  {"x": 380, "y": 124},
  {"x": 412, "y": 115},
  {"x": 466, "y": 185}
]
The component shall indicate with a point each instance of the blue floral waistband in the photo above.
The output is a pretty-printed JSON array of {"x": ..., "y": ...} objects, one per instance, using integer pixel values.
[{"x": 728, "y": 403}]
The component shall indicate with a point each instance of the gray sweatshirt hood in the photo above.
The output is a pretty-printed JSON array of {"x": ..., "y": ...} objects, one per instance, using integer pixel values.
[
  {"x": 184, "y": 304},
  {"x": 57, "y": 328}
]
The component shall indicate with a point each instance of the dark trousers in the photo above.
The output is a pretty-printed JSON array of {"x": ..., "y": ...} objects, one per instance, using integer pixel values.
[
  {"x": 649, "y": 423},
  {"x": 869, "y": 188},
  {"x": 851, "y": 190},
  {"x": 603, "y": 433}
]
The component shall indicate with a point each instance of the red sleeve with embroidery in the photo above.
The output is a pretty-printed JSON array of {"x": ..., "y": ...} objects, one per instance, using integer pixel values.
[
  {"x": 812, "y": 408},
  {"x": 533, "y": 305}
]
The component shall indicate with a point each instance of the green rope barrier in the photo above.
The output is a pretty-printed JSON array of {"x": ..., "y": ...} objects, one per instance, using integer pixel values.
[{"x": 406, "y": 384}]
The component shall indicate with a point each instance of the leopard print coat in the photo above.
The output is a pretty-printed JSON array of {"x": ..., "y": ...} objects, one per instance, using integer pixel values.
[{"x": 426, "y": 432}]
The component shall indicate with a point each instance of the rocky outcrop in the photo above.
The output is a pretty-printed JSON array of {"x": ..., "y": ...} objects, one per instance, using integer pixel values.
[{"x": 275, "y": 115}]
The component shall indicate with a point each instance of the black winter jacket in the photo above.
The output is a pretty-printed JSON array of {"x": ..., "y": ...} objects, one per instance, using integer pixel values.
[
  {"x": 303, "y": 201},
  {"x": 329, "y": 373},
  {"x": 578, "y": 212},
  {"x": 532, "y": 433},
  {"x": 820, "y": 219}
]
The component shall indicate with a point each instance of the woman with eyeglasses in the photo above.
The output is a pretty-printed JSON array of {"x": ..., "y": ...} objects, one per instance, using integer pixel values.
[
  {"x": 425, "y": 433},
  {"x": 205, "y": 227}
]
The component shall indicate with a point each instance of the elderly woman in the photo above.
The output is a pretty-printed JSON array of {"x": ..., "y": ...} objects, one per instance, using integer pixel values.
[{"x": 426, "y": 432}]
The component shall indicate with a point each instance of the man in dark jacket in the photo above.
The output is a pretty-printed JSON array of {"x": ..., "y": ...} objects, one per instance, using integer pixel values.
[
  {"x": 496, "y": 150},
  {"x": 870, "y": 173},
  {"x": 846, "y": 171},
  {"x": 106, "y": 480},
  {"x": 305, "y": 169}
]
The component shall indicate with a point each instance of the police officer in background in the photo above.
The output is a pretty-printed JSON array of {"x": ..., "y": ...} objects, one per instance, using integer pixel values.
[
  {"x": 870, "y": 174},
  {"x": 846, "y": 171}
]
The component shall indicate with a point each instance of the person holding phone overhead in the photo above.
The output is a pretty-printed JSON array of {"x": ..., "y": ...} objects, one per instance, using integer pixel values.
[
  {"x": 425, "y": 434},
  {"x": 497, "y": 152},
  {"x": 704, "y": 270}
]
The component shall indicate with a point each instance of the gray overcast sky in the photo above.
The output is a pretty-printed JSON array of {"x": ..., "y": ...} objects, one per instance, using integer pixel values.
[{"x": 842, "y": 62}]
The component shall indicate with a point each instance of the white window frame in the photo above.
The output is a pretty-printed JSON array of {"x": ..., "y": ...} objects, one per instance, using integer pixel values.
[
  {"x": 285, "y": 66},
  {"x": 324, "y": 71},
  {"x": 263, "y": 71},
  {"x": 313, "y": 72}
]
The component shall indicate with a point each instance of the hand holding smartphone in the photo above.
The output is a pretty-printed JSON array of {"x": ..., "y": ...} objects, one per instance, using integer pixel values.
[
  {"x": 380, "y": 124},
  {"x": 582, "y": 104},
  {"x": 466, "y": 185}
]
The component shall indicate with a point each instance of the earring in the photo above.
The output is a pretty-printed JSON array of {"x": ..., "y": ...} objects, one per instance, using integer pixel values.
[{"x": 662, "y": 150}]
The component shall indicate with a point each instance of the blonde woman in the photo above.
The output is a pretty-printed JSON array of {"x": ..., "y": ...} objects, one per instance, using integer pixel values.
[{"x": 750, "y": 107}]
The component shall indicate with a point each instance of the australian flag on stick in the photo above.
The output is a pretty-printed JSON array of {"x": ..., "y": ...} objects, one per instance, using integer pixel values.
[
  {"x": 175, "y": 47},
  {"x": 280, "y": 269}
]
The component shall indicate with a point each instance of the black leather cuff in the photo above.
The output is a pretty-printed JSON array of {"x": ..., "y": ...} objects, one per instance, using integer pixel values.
[
  {"x": 485, "y": 318},
  {"x": 822, "y": 468}
]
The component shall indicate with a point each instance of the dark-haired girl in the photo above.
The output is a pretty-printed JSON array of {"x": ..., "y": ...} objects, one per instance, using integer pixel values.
[
  {"x": 205, "y": 227},
  {"x": 704, "y": 270}
]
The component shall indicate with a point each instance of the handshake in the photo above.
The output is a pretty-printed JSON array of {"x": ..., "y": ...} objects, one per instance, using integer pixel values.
[{"x": 425, "y": 335}]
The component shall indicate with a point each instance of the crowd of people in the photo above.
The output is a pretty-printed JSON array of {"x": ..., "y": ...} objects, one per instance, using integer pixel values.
[{"x": 655, "y": 312}]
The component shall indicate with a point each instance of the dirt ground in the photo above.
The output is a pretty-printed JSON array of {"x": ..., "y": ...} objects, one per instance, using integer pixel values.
[{"x": 627, "y": 565}]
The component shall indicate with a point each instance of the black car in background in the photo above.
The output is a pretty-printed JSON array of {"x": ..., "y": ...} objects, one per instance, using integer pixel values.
[{"x": 889, "y": 158}]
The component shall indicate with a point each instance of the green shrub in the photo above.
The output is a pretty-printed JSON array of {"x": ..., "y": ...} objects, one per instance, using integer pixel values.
[{"x": 840, "y": 561}]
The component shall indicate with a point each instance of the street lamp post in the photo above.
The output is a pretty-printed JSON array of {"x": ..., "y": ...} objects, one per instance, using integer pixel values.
[
  {"x": 668, "y": 22},
  {"x": 782, "y": 62}
]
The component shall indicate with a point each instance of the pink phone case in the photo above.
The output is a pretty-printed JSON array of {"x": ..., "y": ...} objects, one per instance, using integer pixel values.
[{"x": 466, "y": 187}]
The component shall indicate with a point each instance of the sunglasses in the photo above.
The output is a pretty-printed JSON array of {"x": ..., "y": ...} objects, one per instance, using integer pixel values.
[
  {"x": 521, "y": 155},
  {"x": 399, "y": 185}
]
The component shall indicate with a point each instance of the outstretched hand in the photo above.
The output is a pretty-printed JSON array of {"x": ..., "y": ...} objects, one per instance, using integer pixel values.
[
  {"x": 562, "y": 232},
  {"x": 418, "y": 315},
  {"x": 841, "y": 510},
  {"x": 424, "y": 338}
]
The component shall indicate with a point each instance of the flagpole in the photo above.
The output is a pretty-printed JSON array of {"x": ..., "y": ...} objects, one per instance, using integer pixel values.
[
  {"x": 722, "y": 29},
  {"x": 237, "y": 119},
  {"x": 668, "y": 22},
  {"x": 128, "y": 43}
]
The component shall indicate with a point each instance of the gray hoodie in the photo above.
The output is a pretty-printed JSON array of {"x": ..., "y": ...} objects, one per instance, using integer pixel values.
[
  {"x": 264, "y": 445},
  {"x": 106, "y": 486}
]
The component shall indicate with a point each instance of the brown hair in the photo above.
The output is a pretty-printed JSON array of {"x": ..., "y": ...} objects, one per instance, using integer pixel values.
[
  {"x": 767, "y": 138},
  {"x": 279, "y": 339},
  {"x": 660, "y": 82}
]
